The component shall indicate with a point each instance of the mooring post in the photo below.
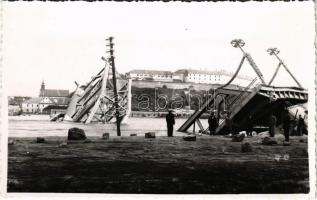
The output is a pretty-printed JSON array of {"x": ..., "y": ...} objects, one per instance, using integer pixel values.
[{"x": 114, "y": 80}]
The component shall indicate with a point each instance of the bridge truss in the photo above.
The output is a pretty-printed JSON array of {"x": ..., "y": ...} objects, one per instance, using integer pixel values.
[
  {"x": 258, "y": 99},
  {"x": 106, "y": 98}
]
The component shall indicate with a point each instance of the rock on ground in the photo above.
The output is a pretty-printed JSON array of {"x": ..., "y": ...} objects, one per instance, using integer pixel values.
[
  {"x": 106, "y": 136},
  {"x": 76, "y": 134},
  {"x": 238, "y": 138},
  {"x": 150, "y": 135},
  {"x": 40, "y": 140},
  {"x": 189, "y": 137}
]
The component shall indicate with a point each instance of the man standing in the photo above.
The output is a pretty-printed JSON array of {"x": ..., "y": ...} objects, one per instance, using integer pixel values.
[
  {"x": 286, "y": 126},
  {"x": 229, "y": 124},
  {"x": 300, "y": 125},
  {"x": 272, "y": 124},
  {"x": 249, "y": 126},
  {"x": 170, "y": 121},
  {"x": 213, "y": 123}
]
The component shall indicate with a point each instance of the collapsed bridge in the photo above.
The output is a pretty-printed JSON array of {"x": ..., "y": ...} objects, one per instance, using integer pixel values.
[
  {"x": 107, "y": 97},
  {"x": 258, "y": 99}
]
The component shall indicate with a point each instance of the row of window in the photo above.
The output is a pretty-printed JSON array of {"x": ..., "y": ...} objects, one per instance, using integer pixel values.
[
  {"x": 205, "y": 75},
  {"x": 31, "y": 110},
  {"x": 167, "y": 76},
  {"x": 191, "y": 78},
  {"x": 160, "y": 76},
  {"x": 34, "y": 105}
]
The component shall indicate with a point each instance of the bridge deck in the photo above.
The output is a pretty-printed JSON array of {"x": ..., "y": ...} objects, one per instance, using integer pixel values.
[{"x": 259, "y": 102}]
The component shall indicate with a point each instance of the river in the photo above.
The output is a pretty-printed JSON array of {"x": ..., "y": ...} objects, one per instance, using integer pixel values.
[{"x": 40, "y": 126}]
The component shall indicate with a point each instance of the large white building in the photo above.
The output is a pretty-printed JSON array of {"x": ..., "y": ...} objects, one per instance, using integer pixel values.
[
  {"x": 189, "y": 76},
  {"x": 154, "y": 75},
  {"x": 208, "y": 77}
]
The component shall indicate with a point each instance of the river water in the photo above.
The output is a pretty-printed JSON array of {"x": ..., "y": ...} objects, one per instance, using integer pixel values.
[{"x": 40, "y": 126}]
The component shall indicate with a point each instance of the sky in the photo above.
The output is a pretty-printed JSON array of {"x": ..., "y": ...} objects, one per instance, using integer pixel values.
[{"x": 63, "y": 42}]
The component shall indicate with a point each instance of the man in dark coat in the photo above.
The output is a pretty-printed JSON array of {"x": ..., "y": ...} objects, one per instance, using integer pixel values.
[
  {"x": 213, "y": 123},
  {"x": 286, "y": 126},
  {"x": 300, "y": 125},
  {"x": 272, "y": 124},
  {"x": 249, "y": 126},
  {"x": 170, "y": 121},
  {"x": 229, "y": 124}
]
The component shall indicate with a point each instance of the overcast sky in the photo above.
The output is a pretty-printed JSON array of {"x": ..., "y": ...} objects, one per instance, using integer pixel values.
[{"x": 63, "y": 42}]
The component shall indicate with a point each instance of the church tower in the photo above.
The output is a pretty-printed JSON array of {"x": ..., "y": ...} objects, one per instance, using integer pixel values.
[{"x": 42, "y": 89}]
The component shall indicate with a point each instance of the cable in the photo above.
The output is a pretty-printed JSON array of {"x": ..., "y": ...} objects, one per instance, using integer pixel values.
[{"x": 234, "y": 75}]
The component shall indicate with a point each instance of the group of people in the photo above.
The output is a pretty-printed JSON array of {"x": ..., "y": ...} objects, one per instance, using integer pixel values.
[
  {"x": 293, "y": 126},
  {"x": 290, "y": 126},
  {"x": 213, "y": 122}
]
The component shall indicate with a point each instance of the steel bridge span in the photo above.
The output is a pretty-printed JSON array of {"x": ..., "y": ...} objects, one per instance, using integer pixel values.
[{"x": 257, "y": 100}]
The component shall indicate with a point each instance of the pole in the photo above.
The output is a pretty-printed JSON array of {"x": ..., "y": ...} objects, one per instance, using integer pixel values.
[
  {"x": 275, "y": 73},
  {"x": 289, "y": 72},
  {"x": 114, "y": 80},
  {"x": 275, "y": 51}
]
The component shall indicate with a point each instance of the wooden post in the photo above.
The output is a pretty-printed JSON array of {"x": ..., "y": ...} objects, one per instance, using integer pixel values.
[{"x": 114, "y": 80}]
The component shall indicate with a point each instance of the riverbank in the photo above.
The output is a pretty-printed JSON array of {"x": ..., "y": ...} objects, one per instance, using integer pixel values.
[
  {"x": 40, "y": 126},
  {"x": 210, "y": 165}
]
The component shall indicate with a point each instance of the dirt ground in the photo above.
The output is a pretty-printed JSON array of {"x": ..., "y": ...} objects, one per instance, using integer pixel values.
[{"x": 210, "y": 165}]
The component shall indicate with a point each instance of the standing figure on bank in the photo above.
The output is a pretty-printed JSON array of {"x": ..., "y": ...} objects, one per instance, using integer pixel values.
[
  {"x": 249, "y": 126},
  {"x": 213, "y": 123},
  {"x": 286, "y": 126},
  {"x": 229, "y": 124},
  {"x": 300, "y": 125},
  {"x": 272, "y": 124},
  {"x": 170, "y": 121}
]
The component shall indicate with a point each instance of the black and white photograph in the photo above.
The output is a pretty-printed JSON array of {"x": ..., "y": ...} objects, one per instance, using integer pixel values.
[{"x": 159, "y": 98}]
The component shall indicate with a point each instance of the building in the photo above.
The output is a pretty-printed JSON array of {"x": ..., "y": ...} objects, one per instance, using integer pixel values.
[
  {"x": 48, "y": 98},
  {"x": 208, "y": 77},
  {"x": 15, "y": 104},
  {"x": 44, "y": 105},
  {"x": 180, "y": 75},
  {"x": 17, "y": 100},
  {"x": 33, "y": 105},
  {"x": 151, "y": 75},
  {"x": 189, "y": 76}
]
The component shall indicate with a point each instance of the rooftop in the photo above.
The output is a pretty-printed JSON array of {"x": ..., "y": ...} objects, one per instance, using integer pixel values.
[
  {"x": 34, "y": 100},
  {"x": 55, "y": 93},
  {"x": 143, "y": 71},
  {"x": 193, "y": 71},
  {"x": 56, "y": 101}
]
